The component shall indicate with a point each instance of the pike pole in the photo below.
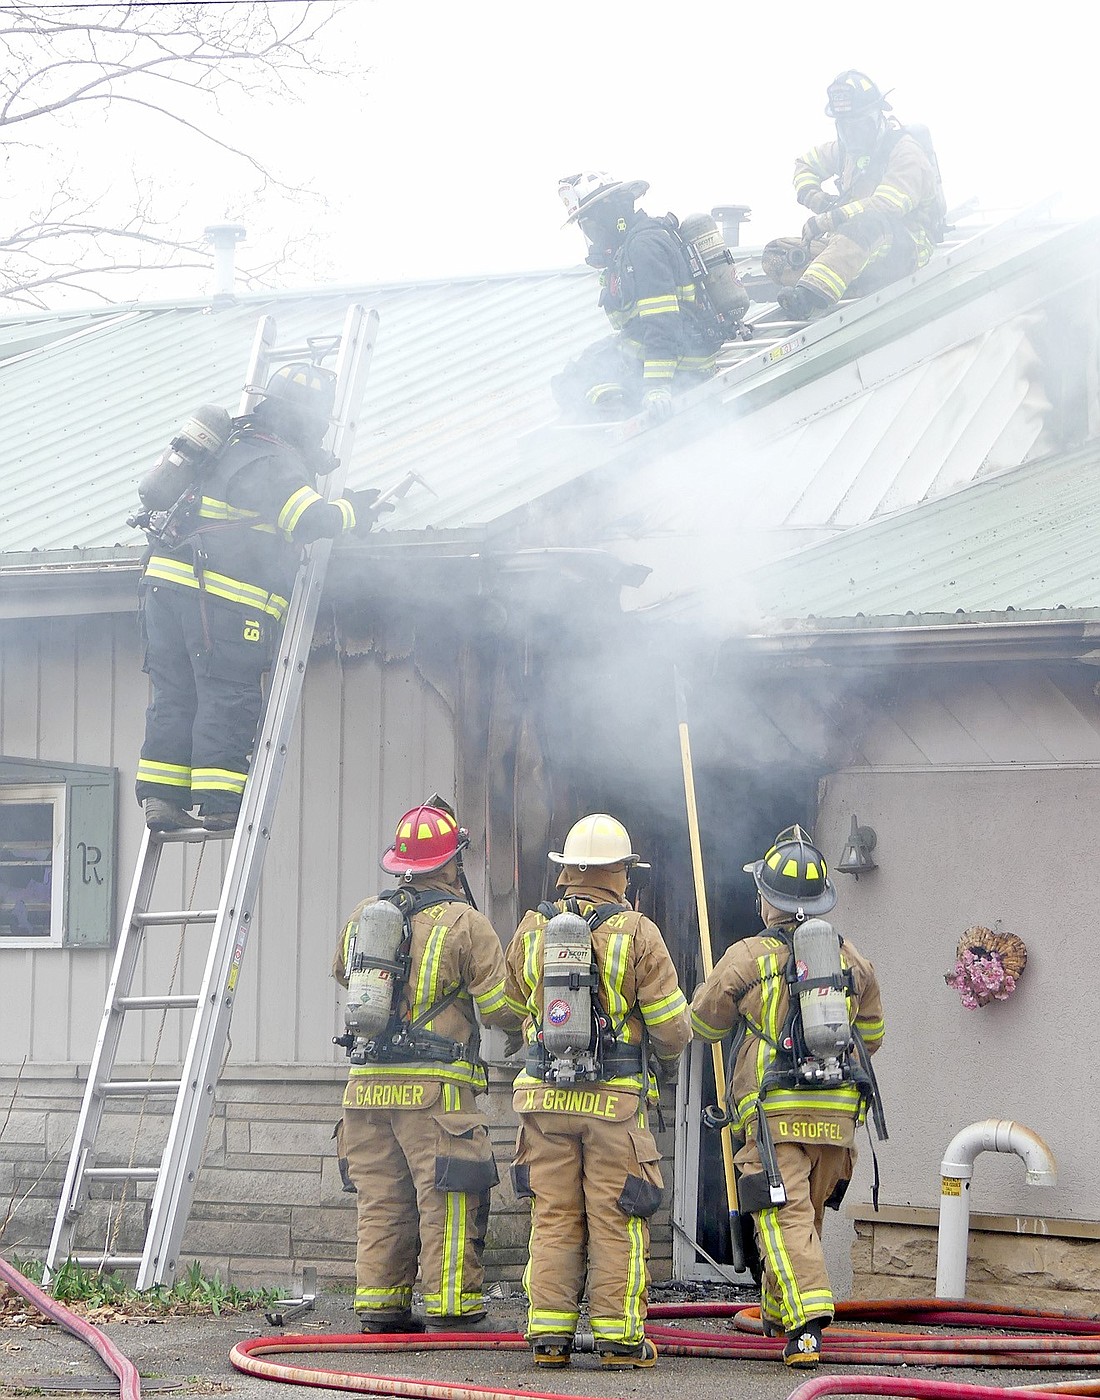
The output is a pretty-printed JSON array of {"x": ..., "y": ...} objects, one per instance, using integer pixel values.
[{"x": 737, "y": 1252}]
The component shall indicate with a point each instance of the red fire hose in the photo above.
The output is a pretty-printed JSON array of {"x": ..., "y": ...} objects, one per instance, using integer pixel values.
[
  {"x": 129, "y": 1381},
  {"x": 1042, "y": 1340}
]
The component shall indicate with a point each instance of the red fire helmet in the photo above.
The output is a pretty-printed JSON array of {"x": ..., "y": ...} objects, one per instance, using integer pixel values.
[{"x": 426, "y": 840}]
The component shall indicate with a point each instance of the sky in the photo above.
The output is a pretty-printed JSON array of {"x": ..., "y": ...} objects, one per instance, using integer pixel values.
[
  {"x": 466, "y": 115},
  {"x": 440, "y": 151}
]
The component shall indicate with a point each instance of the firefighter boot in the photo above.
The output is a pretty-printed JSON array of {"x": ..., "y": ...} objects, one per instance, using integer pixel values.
[
  {"x": 220, "y": 821},
  {"x": 804, "y": 1345},
  {"x": 622, "y": 1358},
  {"x": 552, "y": 1351},
  {"x": 458, "y": 1322},
  {"x": 166, "y": 816},
  {"x": 801, "y": 302},
  {"x": 397, "y": 1322}
]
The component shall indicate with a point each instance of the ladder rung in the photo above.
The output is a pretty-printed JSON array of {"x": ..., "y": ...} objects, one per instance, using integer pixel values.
[
  {"x": 183, "y": 1002},
  {"x": 136, "y": 1088},
  {"x": 192, "y": 834},
  {"x": 107, "y": 1261},
  {"x": 121, "y": 1173},
  {"x": 175, "y": 916}
]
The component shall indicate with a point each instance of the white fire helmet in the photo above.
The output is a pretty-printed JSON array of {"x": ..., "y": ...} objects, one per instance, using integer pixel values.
[
  {"x": 596, "y": 840},
  {"x": 580, "y": 192}
]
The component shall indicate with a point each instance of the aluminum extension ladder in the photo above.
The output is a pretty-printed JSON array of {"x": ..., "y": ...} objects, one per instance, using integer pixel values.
[{"x": 177, "y": 1171}]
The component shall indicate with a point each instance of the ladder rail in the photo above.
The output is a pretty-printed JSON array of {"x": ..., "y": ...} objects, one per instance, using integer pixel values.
[
  {"x": 104, "y": 1054},
  {"x": 183, "y": 1150}
]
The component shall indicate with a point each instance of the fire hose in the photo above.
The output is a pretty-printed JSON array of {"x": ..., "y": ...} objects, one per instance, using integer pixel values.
[
  {"x": 1042, "y": 1340},
  {"x": 129, "y": 1382}
]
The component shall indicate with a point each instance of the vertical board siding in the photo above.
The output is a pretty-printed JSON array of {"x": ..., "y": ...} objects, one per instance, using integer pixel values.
[{"x": 373, "y": 738}]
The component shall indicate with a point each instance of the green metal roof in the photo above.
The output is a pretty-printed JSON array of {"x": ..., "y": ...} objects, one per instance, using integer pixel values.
[
  {"x": 460, "y": 372},
  {"x": 1025, "y": 540}
]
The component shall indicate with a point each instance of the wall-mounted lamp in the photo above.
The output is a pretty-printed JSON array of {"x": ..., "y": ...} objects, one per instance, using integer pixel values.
[{"x": 857, "y": 858}]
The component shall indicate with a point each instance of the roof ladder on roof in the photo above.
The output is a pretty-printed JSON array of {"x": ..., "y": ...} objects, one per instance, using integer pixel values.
[{"x": 229, "y": 924}]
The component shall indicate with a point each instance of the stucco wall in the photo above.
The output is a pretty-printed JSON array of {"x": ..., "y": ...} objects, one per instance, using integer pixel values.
[{"x": 1009, "y": 848}]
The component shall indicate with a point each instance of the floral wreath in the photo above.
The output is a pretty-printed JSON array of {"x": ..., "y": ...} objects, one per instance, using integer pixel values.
[{"x": 987, "y": 966}]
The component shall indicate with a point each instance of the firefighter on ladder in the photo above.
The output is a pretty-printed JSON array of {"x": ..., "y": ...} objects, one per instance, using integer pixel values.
[
  {"x": 585, "y": 1154},
  {"x": 807, "y": 1148},
  {"x": 662, "y": 341},
  {"x": 879, "y": 225},
  {"x": 212, "y": 603},
  {"x": 416, "y": 1146}
]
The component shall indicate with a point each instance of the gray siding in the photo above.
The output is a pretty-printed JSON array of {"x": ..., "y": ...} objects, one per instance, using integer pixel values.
[{"x": 373, "y": 737}]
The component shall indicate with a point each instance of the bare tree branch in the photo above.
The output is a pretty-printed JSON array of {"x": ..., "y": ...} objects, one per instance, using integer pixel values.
[{"x": 176, "y": 64}]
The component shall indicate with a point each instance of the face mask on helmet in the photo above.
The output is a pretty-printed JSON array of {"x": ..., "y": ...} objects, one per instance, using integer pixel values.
[
  {"x": 861, "y": 134},
  {"x": 604, "y": 226}
]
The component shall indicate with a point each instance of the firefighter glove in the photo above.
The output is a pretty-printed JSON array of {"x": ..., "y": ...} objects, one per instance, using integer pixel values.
[
  {"x": 367, "y": 509},
  {"x": 657, "y": 405},
  {"x": 818, "y": 227},
  {"x": 817, "y": 200}
]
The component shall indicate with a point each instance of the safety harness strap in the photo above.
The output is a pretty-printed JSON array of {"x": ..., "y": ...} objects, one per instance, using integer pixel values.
[{"x": 414, "y": 1041}]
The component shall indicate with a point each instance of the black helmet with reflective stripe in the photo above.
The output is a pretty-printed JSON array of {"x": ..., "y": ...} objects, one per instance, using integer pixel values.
[
  {"x": 853, "y": 94},
  {"x": 793, "y": 875},
  {"x": 309, "y": 388}
]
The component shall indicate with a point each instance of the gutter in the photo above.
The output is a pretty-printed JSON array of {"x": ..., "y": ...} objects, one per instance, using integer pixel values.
[
  {"x": 73, "y": 583},
  {"x": 987, "y": 641}
]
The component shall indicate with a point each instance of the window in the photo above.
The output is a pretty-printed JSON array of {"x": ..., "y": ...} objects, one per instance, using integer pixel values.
[
  {"x": 58, "y": 835},
  {"x": 32, "y": 865}
]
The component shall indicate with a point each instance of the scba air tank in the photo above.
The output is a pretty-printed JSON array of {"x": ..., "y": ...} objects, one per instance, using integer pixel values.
[
  {"x": 723, "y": 285},
  {"x": 196, "y": 444},
  {"x": 374, "y": 970},
  {"x": 567, "y": 979},
  {"x": 826, "y": 1031}
]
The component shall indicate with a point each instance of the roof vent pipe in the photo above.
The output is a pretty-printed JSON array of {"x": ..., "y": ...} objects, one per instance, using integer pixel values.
[
  {"x": 956, "y": 1169},
  {"x": 223, "y": 238},
  {"x": 729, "y": 218}
]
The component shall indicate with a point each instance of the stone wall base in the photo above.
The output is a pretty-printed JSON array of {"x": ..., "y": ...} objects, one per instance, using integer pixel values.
[
  {"x": 269, "y": 1198},
  {"x": 1056, "y": 1273}
]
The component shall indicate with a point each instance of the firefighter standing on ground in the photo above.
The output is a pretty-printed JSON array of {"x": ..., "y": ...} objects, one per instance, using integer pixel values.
[
  {"x": 663, "y": 341},
  {"x": 813, "y": 1129},
  {"x": 883, "y": 219},
  {"x": 417, "y": 1148},
  {"x": 585, "y": 1153},
  {"x": 212, "y": 604}
]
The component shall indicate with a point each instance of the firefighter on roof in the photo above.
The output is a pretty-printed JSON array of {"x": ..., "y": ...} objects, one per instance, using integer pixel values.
[
  {"x": 801, "y": 1080},
  {"x": 214, "y": 593},
  {"x": 880, "y": 221},
  {"x": 599, "y": 990},
  {"x": 421, "y": 966},
  {"x": 664, "y": 340}
]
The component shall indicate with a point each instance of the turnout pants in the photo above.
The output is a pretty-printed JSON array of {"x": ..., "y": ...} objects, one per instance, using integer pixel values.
[
  {"x": 594, "y": 1183},
  {"x": 795, "y": 1285},
  {"x": 206, "y": 660},
  {"x": 423, "y": 1177},
  {"x": 605, "y": 382},
  {"x": 867, "y": 253}
]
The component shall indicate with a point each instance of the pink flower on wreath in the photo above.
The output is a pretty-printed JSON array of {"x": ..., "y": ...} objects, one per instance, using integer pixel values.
[{"x": 979, "y": 977}]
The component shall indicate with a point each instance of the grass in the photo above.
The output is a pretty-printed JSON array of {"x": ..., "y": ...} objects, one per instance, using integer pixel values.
[{"x": 194, "y": 1292}]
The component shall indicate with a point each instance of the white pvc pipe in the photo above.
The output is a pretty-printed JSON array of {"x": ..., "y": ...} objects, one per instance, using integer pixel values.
[{"x": 956, "y": 1170}]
